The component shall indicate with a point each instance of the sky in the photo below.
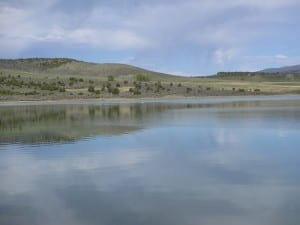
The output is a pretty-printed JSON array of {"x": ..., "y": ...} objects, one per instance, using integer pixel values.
[{"x": 184, "y": 37}]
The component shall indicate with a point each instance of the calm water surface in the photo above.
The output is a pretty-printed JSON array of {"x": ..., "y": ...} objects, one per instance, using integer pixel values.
[{"x": 230, "y": 161}]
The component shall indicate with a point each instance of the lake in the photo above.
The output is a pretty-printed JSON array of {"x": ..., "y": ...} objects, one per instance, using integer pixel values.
[{"x": 209, "y": 161}]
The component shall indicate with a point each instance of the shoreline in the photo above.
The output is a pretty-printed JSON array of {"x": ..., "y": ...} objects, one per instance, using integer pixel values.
[{"x": 105, "y": 101}]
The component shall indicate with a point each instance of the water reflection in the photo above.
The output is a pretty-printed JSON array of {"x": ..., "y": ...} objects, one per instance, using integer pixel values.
[
  {"x": 66, "y": 123},
  {"x": 184, "y": 164},
  {"x": 39, "y": 124}
]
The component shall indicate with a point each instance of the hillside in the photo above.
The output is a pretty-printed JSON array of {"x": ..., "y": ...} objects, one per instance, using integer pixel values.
[
  {"x": 258, "y": 76},
  {"x": 64, "y": 66},
  {"x": 62, "y": 78},
  {"x": 286, "y": 69}
]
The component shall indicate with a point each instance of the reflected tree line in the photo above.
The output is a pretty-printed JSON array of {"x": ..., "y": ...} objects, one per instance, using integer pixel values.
[{"x": 38, "y": 124}]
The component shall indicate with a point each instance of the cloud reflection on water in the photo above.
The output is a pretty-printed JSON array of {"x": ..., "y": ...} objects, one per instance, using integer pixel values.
[{"x": 191, "y": 167}]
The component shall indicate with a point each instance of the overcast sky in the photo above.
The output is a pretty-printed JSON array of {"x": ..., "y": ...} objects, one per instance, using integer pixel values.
[{"x": 190, "y": 37}]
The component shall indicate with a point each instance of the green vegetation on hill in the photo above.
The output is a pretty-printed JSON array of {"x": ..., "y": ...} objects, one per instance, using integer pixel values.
[
  {"x": 43, "y": 79},
  {"x": 34, "y": 64}
]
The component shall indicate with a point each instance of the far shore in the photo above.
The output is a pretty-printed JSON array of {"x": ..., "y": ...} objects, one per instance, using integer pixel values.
[{"x": 145, "y": 100}]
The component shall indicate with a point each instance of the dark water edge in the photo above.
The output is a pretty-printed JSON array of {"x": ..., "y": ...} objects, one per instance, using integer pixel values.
[{"x": 167, "y": 161}]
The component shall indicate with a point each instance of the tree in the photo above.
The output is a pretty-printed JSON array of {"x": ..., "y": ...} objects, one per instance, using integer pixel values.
[{"x": 142, "y": 77}]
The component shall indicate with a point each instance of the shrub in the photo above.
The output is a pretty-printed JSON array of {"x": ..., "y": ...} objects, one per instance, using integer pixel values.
[
  {"x": 49, "y": 87},
  {"x": 110, "y": 78},
  {"x": 159, "y": 85},
  {"x": 179, "y": 85},
  {"x": 91, "y": 88},
  {"x": 2, "y": 79},
  {"x": 142, "y": 77},
  {"x": 115, "y": 91},
  {"x": 241, "y": 90},
  {"x": 97, "y": 92},
  {"x": 138, "y": 85},
  {"x": 31, "y": 93},
  {"x": 136, "y": 92},
  {"x": 6, "y": 92},
  {"x": 108, "y": 85},
  {"x": 125, "y": 82},
  {"x": 61, "y": 83},
  {"x": 109, "y": 90}
]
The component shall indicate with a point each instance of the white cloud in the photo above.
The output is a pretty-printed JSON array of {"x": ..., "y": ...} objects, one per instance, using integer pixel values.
[
  {"x": 259, "y": 62},
  {"x": 224, "y": 56},
  {"x": 13, "y": 31},
  {"x": 281, "y": 57},
  {"x": 112, "y": 39},
  {"x": 15, "y": 179},
  {"x": 158, "y": 27}
]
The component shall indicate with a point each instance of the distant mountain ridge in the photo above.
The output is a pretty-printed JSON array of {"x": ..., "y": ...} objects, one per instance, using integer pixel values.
[
  {"x": 68, "y": 66},
  {"x": 285, "y": 69}
]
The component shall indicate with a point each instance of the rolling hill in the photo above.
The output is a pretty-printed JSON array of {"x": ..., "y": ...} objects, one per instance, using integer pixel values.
[
  {"x": 285, "y": 69},
  {"x": 65, "y": 66},
  {"x": 63, "y": 78}
]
